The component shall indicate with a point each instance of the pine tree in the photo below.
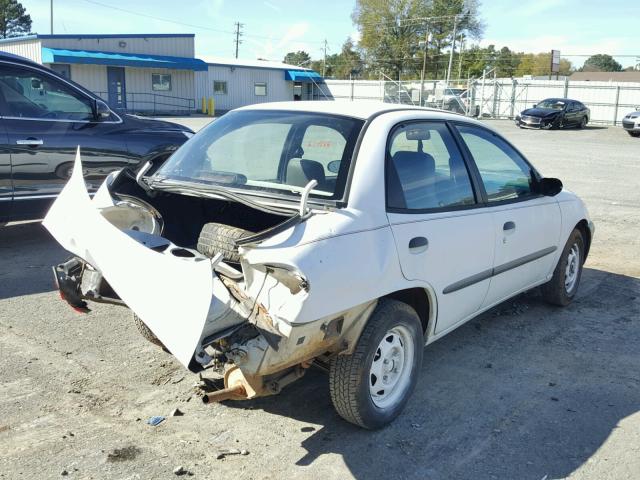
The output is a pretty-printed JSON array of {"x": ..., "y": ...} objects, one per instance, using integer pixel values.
[{"x": 14, "y": 21}]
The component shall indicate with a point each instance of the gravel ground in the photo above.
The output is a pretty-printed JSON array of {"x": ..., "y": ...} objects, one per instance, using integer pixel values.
[{"x": 525, "y": 391}]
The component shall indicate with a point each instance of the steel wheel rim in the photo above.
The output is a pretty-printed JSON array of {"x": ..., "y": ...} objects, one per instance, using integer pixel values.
[
  {"x": 390, "y": 370},
  {"x": 572, "y": 269}
]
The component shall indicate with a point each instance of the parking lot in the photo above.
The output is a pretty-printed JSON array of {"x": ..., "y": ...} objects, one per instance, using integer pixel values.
[{"x": 525, "y": 391}]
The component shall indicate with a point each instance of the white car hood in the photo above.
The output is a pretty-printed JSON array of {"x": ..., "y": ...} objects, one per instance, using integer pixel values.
[{"x": 171, "y": 295}]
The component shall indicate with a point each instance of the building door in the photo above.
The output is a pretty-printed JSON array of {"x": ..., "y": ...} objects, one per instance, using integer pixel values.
[{"x": 117, "y": 90}]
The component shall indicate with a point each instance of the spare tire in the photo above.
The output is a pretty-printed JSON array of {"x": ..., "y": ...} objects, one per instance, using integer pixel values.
[{"x": 218, "y": 238}]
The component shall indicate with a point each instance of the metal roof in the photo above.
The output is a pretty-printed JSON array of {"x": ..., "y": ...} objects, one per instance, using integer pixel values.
[
  {"x": 59, "y": 55},
  {"x": 241, "y": 63},
  {"x": 106, "y": 35}
]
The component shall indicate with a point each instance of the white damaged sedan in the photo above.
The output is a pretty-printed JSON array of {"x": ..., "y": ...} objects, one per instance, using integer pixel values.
[{"x": 348, "y": 235}]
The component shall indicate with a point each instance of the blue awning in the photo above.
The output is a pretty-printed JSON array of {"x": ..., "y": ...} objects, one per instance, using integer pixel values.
[
  {"x": 304, "y": 76},
  {"x": 58, "y": 55}
]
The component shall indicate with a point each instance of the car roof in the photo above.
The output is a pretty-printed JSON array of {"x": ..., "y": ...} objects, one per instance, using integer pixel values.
[{"x": 357, "y": 109}]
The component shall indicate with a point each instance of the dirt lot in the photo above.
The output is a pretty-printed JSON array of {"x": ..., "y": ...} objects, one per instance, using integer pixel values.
[{"x": 525, "y": 391}]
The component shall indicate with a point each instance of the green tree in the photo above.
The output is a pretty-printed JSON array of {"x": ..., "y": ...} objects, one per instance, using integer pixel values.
[
  {"x": 391, "y": 30},
  {"x": 601, "y": 63},
  {"x": 297, "y": 58},
  {"x": 348, "y": 63},
  {"x": 14, "y": 21}
]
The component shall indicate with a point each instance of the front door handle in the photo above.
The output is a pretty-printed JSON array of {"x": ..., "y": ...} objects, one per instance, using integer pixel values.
[
  {"x": 31, "y": 142},
  {"x": 509, "y": 226},
  {"x": 418, "y": 244}
]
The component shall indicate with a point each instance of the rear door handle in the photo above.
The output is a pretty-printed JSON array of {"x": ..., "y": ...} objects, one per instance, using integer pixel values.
[
  {"x": 418, "y": 244},
  {"x": 31, "y": 142},
  {"x": 508, "y": 226}
]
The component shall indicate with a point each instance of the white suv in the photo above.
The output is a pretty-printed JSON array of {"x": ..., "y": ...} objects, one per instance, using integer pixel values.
[{"x": 345, "y": 234}]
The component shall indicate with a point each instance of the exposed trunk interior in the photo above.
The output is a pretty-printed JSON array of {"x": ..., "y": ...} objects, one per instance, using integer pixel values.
[{"x": 184, "y": 216}]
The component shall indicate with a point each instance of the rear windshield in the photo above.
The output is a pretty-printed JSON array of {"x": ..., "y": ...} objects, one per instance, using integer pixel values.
[{"x": 275, "y": 151}]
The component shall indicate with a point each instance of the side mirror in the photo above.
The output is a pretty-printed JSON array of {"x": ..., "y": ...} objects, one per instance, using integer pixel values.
[
  {"x": 36, "y": 84},
  {"x": 102, "y": 111},
  {"x": 550, "y": 187},
  {"x": 334, "y": 166}
]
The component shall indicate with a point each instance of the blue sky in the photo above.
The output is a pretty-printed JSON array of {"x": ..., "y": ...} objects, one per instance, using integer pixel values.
[{"x": 274, "y": 27}]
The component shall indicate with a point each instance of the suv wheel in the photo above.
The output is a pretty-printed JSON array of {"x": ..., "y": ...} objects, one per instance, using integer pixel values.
[
  {"x": 371, "y": 386},
  {"x": 563, "y": 286},
  {"x": 146, "y": 331}
]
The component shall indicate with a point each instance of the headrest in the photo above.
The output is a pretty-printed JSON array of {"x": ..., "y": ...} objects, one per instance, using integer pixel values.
[{"x": 300, "y": 172}]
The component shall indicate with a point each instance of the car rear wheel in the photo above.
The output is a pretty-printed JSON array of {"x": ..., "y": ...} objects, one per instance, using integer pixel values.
[
  {"x": 583, "y": 123},
  {"x": 563, "y": 286},
  {"x": 371, "y": 386}
]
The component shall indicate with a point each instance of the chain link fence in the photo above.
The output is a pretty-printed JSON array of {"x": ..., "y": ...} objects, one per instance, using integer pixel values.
[{"x": 490, "y": 97}]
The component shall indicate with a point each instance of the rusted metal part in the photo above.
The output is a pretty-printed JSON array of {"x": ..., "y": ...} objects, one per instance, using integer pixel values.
[
  {"x": 232, "y": 393},
  {"x": 254, "y": 311}
]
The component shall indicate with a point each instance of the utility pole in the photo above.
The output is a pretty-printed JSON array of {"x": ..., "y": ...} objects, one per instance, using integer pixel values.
[
  {"x": 51, "y": 17},
  {"x": 453, "y": 47},
  {"x": 324, "y": 60},
  {"x": 461, "y": 50},
  {"x": 427, "y": 37},
  {"x": 238, "y": 32}
]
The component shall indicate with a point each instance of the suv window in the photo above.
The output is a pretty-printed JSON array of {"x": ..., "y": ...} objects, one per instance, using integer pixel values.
[
  {"x": 30, "y": 94},
  {"x": 425, "y": 169},
  {"x": 505, "y": 174}
]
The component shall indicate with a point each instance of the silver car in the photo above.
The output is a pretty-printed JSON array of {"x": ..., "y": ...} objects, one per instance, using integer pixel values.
[{"x": 631, "y": 123}]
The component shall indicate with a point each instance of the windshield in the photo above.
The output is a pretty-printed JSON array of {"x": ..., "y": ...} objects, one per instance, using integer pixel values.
[
  {"x": 275, "y": 151},
  {"x": 551, "y": 104}
]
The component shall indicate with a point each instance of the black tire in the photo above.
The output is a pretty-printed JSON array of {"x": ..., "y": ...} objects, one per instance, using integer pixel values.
[
  {"x": 583, "y": 123},
  {"x": 218, "y": 238},
  {"x": 634, "y": 134},
  {"x": 555, "y": 291},
  {"x": 146, "y": 331},
  {"x": 349, "y": 375}
]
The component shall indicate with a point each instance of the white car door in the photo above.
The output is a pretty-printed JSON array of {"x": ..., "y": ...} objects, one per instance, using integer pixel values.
[
  {"x": 443, "y": 235},
  {"x": 526, "y": 224}
]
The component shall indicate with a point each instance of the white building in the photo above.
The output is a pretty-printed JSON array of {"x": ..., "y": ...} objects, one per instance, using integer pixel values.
[
  {"x": 159, "y": 73},
  {"x": 234, "y": 82}
]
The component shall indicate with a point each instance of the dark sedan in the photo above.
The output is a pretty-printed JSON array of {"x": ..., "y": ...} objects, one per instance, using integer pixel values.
[
  {"x": 43, "y": 119},
  {"x": 554, "y": 113}
]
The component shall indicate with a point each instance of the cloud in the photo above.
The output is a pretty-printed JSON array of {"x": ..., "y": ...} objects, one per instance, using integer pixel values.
[
  {"x": 294, "y": 32},
  {"x": 355, "y": 37},
  {"x": 272, "y": 6}
]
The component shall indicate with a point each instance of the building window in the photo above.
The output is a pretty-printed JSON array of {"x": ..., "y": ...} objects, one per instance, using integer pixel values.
[
  {"x": 219, "y": 87},
  {"x": 260, "y": 89},
  {"x": 161, "y": 82}
]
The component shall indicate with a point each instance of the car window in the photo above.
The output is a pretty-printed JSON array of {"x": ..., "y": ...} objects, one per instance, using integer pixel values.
[
  {"x": 323, "y": 144},
  {"x": 269, "y": 150},
  {"x": 253, "y": 150},
  {"x": 30, "y": 94},
  {"x": 425, "y": 169},
  {"x": 505, "y": 174}
]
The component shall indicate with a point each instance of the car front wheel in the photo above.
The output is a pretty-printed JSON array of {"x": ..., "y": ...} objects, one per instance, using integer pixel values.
[
  {"x": 563, "y": 286},
  {"x": 371, "y": 386}
]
